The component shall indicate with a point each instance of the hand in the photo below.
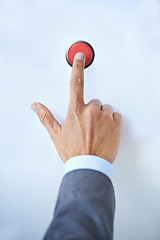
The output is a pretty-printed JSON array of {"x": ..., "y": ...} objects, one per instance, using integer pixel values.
[{"x": 89, "y": 129}]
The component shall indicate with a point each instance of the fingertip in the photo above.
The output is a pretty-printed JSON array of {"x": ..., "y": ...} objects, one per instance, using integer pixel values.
[
  {"x": 117, "y": 117},
  {"x": 35, "y": 107},
  {"x": 79, "y": 56}
]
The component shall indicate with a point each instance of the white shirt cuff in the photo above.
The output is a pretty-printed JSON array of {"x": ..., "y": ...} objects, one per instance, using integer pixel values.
[{"x": 89, "y": 162}]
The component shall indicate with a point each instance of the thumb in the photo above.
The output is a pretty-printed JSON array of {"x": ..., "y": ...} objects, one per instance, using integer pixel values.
[{"x": 46, "y": 118}]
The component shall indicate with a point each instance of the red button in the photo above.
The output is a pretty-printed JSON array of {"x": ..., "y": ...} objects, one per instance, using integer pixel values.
[{"x": 80, "y": 46}]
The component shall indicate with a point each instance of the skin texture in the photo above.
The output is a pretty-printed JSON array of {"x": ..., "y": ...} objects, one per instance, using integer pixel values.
[{"x": 89, "y": 129}]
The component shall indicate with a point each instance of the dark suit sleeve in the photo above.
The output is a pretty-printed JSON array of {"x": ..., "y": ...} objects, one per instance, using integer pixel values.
[{"x": 85, "y": 207}]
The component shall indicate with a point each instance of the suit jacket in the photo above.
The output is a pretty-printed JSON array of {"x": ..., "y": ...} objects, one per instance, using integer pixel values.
[{"x": 84, "y": 209}]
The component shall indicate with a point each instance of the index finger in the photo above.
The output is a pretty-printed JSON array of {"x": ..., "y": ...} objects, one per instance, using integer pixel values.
[{"x": 77, "y": 82}]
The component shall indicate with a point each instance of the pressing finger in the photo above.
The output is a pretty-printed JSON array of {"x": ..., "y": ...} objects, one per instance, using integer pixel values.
[
  {"x": 77, "y": 82},
  {"x": 108, "y": 109}
]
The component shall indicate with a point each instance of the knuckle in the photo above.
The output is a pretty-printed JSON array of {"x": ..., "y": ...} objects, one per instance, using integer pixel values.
[
  {"x": 77, "y": 81},
  {"x": 78, "y": 65},
  {"x": 92, "y": 109},
  {"x": 108, "y": 107},
  {"x": 44, "y": 117},
  {"x": 107, "y": 116},
  {"x": 97, "y": 100}
]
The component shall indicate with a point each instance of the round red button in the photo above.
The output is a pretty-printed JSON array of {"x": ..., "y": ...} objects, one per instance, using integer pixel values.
[{"x": 80, "y": 46}]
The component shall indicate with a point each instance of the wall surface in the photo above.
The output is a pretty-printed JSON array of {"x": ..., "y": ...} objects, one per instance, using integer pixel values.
[{"x": 34, "y": 36}]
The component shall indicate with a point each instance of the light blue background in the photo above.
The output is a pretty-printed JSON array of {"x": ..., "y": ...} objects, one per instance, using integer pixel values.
[{"x": 34, "y": 36}]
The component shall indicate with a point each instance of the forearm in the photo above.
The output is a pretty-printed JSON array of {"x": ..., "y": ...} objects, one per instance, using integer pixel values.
[{"x": 85, "y": 207}]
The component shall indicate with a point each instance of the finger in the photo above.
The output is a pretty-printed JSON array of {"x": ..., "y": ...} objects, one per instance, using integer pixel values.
[
  {"x": 117, "y": 118},
  {"x": 46, "y": 118},
  {"x": 77, "y": 82},
  {"x": 108, "y": 109},
  {"x": 95, "y": 102}
]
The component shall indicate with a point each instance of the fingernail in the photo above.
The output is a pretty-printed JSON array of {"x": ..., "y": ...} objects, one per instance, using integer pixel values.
[
  {"x": 35, "y": 107},
  {"x": 80, "y": 56}
]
